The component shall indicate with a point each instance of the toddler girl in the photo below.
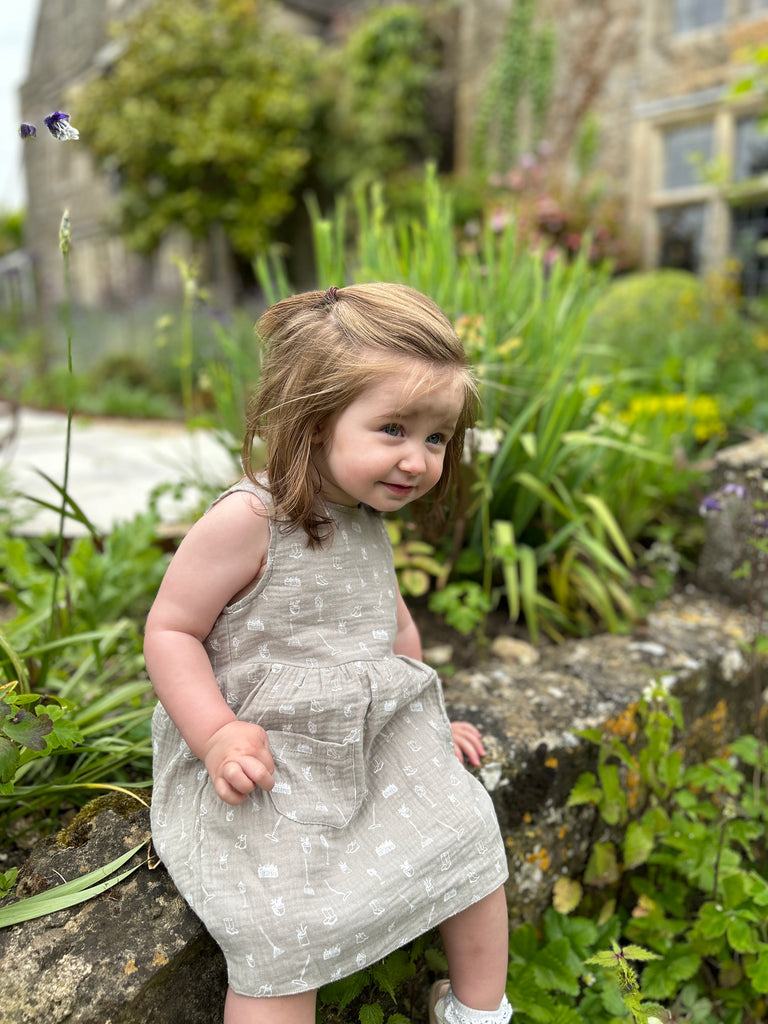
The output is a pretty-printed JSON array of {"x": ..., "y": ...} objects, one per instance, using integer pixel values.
[{"x": 308, "y": 799}]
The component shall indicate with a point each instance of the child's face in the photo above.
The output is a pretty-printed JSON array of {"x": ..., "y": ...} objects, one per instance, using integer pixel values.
[{"x": 387, "y": 447}]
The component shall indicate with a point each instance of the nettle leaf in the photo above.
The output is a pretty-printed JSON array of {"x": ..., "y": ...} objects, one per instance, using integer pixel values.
[
  {"x": 552, "y": 972},
  {"x": 757, "y": 972},
  {"x": 414, "y": 582},
  {"x": 341, "y": 993},
  {"x": 29, "y": 730},
  {"x": 393, "y": 971},
  {"x": 585, "y": 791},
  {"x": 523, "y": 942},
  {"x": 638, "y": 844},
  {"x": 436, "y": 960},
  {"x": 602, "y": 868},
  {"x": 9, "y": 760},
  {"x": 371, "y": 1013},
  {"x": 742, "y": 936},
  {"x": 713, "y": 921},
  {"x": 638, "y": 953}
]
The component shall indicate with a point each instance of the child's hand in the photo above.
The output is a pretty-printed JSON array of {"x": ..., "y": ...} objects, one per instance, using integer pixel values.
[
  {"x": 467, "y": 742},
  {"x": 238, "y": 760}
]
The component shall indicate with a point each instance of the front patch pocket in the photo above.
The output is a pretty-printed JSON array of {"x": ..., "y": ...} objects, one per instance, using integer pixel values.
[{"x": 316, "y": 782}]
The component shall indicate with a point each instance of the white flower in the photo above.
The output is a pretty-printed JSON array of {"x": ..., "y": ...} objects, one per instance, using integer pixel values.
[{"x": 481, "y": 441}]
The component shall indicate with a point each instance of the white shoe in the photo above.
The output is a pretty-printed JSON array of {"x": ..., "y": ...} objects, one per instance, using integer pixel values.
[{"x": 437, "y": 995}]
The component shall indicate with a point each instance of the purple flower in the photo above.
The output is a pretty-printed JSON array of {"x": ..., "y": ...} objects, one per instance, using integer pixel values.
[
  {"x": 710, "y": 504},
  {"x": 737, "y": 489},
  {"x": 27, "y": 131},
  {"x": 60, "y": 128}
]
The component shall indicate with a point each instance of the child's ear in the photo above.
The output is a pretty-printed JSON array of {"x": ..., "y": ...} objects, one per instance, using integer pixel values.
[{"x": 320, "y": 433}]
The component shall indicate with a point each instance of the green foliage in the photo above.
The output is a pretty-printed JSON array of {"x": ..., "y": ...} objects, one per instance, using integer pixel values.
[
  {"x": 682, "y": 336},
  {"x": 561, "y": 972},
  {"x": 522, "y": 71},
  {"x": 31, "y": 726},
  {"x": 98, "y": 701},
  {"x": 415, "y": 562},
  {"x": 11, "y": 231},
  {"x": 464, "y": 605},
  {"x": 392, "y": 983},
  {"x": 689, "y": 866},
  {"x": 204, "y": 118},
  {"x": 376, "y": 121},
  {"x": 213, "y": 117},
  {"x": 69, "y": 894}
]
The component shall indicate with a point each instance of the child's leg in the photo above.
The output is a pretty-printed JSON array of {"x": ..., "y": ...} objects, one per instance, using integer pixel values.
[
  {"x": 477, "y": 946},
  {"x": 298, "y": 1009}
]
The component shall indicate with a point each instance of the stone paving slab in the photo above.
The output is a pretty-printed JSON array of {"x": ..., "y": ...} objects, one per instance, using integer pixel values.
[{"x": 114, "y": 467}]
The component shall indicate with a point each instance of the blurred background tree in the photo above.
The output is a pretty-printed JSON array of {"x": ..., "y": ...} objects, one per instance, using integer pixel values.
[
  {"x": 215, "y": 117},
  {"x": 203, "y": 120},
  {"x": 11, "y": 231}
]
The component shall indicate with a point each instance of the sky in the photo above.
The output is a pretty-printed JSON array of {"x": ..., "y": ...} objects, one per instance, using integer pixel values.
[{"x": 17, "y": 23}]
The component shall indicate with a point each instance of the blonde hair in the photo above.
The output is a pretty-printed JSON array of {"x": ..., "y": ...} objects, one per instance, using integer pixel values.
[{"x": 323, "y": 349}]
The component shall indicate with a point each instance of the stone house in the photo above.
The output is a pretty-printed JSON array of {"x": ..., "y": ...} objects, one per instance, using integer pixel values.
[{"x": 689, "y": 162}]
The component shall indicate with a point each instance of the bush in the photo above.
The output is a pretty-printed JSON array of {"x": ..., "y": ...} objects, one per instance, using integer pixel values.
[{"x": 667, "y": 332}]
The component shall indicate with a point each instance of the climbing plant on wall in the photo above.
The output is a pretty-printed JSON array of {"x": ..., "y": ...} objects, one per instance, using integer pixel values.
[{"x": 520, "y": 80}]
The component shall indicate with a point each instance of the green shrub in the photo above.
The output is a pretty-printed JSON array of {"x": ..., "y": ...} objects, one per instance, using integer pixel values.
[{"x": 667, "y": 332}]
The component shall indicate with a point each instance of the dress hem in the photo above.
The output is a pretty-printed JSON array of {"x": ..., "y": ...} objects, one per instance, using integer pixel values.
[{"x": 402, "y": 941}]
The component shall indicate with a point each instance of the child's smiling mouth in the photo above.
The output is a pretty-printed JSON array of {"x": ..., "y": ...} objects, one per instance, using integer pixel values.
[{"x": 399, "y": 490}]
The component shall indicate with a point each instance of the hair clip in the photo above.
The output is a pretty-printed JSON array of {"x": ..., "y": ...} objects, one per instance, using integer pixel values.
[{"x": 331, "y": 294}]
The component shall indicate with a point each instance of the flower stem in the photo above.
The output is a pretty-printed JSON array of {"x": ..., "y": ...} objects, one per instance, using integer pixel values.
[{"x": 64, "y": 243}]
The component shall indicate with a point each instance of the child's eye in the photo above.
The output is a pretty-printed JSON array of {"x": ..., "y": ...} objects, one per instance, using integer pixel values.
[
  {"x": 393, "y": 429},
  {"x": 435, "y": 439}
]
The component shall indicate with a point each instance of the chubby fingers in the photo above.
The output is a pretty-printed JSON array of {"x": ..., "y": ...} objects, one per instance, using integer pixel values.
[
  {"x": 467, "y": 742},
  {"x": 238, "y": 761},
  {"x": 240, "y": 776}
]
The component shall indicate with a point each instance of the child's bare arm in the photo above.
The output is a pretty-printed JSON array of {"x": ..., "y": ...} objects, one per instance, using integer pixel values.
[{"x": 220, "y": 557}]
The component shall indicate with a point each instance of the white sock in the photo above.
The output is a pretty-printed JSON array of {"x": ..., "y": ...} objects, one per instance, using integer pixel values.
[{"x": 456, "y": 1012}]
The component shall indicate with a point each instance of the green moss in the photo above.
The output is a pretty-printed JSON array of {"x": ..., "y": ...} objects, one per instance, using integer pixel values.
[{"x": 78, "y": 831}]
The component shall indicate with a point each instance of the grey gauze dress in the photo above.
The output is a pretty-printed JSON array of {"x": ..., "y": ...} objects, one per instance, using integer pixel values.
[{"x": 374, "y": 832}]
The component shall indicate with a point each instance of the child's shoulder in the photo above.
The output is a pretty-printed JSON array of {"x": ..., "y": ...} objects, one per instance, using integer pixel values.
[{"x": 256, "y": 488}]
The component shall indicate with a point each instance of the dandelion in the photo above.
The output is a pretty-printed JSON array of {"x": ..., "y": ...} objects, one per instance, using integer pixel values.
[
  {"x": 27, "y": 131},
  {"x": 58, "y": 125}
]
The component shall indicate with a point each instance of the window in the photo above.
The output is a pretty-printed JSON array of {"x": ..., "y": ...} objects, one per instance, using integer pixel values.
[
  {"x": 685, "y": 149},
  {"x": 692, "y": 14},
  {"x": 751, "y": 156},
  {"x": 681, "y": 231},
  {"x": 749, "y": 235}
]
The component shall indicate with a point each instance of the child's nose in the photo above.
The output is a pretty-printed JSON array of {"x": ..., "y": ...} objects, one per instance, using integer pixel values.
[{"x": 413, "y": 460}]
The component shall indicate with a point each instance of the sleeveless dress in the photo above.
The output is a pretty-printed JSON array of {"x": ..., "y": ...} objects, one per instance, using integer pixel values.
[{"x": 374, "y": 832}]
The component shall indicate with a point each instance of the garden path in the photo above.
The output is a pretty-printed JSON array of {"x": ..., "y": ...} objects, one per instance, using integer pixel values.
[{"x": 114, "y": 467}]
